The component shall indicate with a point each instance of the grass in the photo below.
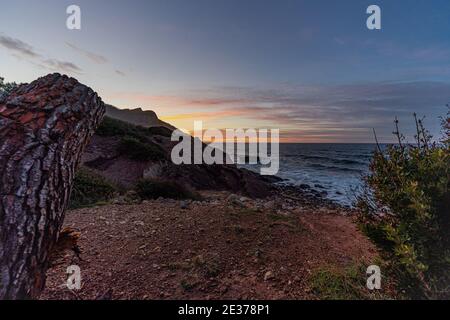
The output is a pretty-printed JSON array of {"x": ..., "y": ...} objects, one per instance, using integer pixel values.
[{"x": 332, "y": 283}]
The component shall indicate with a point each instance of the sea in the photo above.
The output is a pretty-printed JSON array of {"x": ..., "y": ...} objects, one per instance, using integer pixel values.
[{"x": 337, "y": 169}]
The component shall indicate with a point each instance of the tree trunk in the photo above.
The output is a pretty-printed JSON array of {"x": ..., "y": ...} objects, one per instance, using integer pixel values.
[{"x": 44, "y": 127}]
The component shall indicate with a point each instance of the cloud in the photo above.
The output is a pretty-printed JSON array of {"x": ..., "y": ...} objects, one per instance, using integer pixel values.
[
  {"x": 426, "y": 53},
  {"x": 65, "y": 66},
  {"x": 349, "y": 108},
  {"x": 22, "y": 50},
  {"x": 173, "y": 100},
  {"x": 18, "y": 46},
  {"x": 345, "y": 113},
  {"x": 120, "y": 73},
  {"x": 205, "y": 115},
  {"x": 88, "y": 54},
  {"x": 339, "y": 41}
]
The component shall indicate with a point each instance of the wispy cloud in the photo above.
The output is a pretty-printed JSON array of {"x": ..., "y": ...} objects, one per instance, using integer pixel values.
[
  {"x": 339, "y": 41},
  {"x": 17, "y": 46},
  {"x": 120, "y": 73},
  {"x": 25, "y": 51},
  {"x": 59, "y": 65},
  {"x": 425, "y": 53},
  {"x": 205, "y": 115},
  {"x": 309, "y": 113},
  {"x": 173, "y": 100},
  {"x": 94, "y": 57}
]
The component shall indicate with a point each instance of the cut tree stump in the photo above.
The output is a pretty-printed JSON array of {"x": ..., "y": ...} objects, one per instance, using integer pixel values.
[{"x": 44, "y": 127}]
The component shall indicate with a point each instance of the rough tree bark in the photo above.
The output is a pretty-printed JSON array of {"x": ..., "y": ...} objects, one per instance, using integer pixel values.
[{"x": 44, "y": 127}]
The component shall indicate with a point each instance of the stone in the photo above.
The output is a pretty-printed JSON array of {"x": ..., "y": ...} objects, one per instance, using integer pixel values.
[
  {"x": 268, "y": 276},
  {"x": 184, "y": 205}
]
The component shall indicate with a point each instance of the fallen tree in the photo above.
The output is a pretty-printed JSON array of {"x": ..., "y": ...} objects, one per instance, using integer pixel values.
[{"x": 44, "y": 127}]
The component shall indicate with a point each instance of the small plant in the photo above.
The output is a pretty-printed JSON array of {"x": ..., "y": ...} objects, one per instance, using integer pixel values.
[
  {"x": 154, "y": 188},
  {"x": 406, "y": 211},
  {"x": 89, "y": 189},
  {"x": 209, "y": 266},
  {"x": 187, "y": 284}
]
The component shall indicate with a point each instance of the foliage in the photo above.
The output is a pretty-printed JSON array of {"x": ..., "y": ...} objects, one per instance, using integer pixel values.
[
  {"x": 136, "y": 142},
  {"x": 112, "y": 127},
  {"x": 406, "y": 211},
  {"x": 160, "y": 131},
  {"x": 89, "y": 188},
  {"x": 6, "y": 88},
  {"x": 154, "y": 188},
  {"x": 137, "y": 150}
]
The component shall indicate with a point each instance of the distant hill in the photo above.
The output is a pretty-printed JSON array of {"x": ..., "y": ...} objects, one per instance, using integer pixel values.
[{"x": 137, "y": 117}]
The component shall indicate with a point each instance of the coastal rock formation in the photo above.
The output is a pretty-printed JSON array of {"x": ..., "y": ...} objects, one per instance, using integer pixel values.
[
  {"x": 138, "y": 117},
  {"x": 105, "y": 155},
  {"x": 44, "y": 127}
]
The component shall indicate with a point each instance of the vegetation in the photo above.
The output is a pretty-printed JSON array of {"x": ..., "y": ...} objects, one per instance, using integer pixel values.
[
  {"x": 153, "y": 189},
  {"x": 137, "y": 150},
  {"x": 6, "y": 88},
  {"x": 90, "y": 189},
  {"x": 112, "y": 127},
  {"x": 160, "y": 131},
  {"x": 406, "y": 211},
  {"x": 136, "y": 142},
  {"x": 331, "y": 283}
]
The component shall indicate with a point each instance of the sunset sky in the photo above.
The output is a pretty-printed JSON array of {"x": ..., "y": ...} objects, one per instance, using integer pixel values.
[{"x": 310, "y": 68}]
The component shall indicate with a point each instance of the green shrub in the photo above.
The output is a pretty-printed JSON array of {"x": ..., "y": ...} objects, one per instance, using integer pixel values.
[
  {"x": 136, "y": 141},
  {"x": 6, "y": 87},
  {"x": 89, "y": 188},
  {"x": 137, "y": 150},
  {"x": 153, "y": 189},
  {"x": 160, "y": 131},
  {"x": 112, "y": 127},
  {"x": 406, "y": 211}
]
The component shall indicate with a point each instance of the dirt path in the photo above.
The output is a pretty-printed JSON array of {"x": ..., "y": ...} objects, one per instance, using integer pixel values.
[{"x": 215, "y": 249}]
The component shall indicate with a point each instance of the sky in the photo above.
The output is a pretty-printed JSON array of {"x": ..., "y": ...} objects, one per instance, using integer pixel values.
[{"x": 309, "y": 68}]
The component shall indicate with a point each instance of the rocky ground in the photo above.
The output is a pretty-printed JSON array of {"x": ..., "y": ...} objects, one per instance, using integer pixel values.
[{"x": 224, "y": 247}]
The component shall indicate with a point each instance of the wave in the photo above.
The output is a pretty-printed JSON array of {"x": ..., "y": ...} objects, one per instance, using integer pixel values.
[
  {"x": 330, "y": 159},
  {"x": 326, "y": 167}
]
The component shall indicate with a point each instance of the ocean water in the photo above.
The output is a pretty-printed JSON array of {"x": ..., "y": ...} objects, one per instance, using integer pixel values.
[{"x": 337, "y": 169}]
